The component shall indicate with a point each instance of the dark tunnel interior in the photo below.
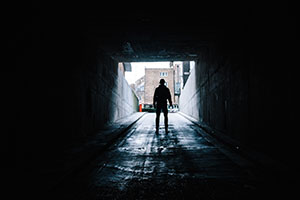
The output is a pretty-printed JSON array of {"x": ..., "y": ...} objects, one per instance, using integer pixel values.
[{"x": 69, "y": 87}]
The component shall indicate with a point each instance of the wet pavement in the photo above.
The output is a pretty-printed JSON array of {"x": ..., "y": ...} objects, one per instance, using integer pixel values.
[{"x": 183, "y": 164}]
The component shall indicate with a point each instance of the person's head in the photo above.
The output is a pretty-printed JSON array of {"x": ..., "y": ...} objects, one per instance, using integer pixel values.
[{"x": 162, "y": 81}]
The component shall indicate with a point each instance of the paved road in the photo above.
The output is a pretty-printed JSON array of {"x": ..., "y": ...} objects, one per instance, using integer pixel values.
[{"x": 183, "y": 164}]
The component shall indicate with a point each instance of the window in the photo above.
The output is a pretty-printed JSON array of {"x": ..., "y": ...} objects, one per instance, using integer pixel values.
[{"x": 163, "y": 74}]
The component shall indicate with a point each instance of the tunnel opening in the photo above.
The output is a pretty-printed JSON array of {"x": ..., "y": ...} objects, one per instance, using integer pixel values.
[{"x": 143, "y": 78}]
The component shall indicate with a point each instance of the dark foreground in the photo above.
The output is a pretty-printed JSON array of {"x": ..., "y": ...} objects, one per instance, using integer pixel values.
[{"x": 183, "y": 164}]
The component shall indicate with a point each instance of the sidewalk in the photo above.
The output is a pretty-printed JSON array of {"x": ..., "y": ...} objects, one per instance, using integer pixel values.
[{"x": 77, "y": 154}]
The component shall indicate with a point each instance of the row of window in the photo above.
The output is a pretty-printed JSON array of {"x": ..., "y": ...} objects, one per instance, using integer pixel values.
[{"x": 163, "y": 74}]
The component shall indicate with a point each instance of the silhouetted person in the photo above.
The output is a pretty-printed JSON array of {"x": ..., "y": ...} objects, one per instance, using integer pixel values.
[{"x": 161, "y": 95}]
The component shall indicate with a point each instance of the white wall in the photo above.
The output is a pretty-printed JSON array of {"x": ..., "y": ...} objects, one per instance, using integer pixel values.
[{"x": 189, "y": 102}]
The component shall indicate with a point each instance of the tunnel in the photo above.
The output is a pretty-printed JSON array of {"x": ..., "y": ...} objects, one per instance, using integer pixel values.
[{"x": 75, "y": 108}]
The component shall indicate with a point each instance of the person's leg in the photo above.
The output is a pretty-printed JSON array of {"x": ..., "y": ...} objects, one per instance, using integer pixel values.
[
  {"x": 165, "y": 110},
  {"x": 158, "y": 110}
]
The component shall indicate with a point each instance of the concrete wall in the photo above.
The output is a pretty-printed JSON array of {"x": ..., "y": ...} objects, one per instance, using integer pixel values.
[
  {"x": 245, "y": 100},
  {"x": 68, "y": 93},
  {"x": 217, "y": 95},
  {"x": 102, "y": 96},
  {"x": 243, "y": 84},
  {"x": 189, "y": 98}
]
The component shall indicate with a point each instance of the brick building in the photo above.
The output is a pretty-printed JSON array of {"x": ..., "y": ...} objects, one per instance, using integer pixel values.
[{"x": 152, "y": 77}]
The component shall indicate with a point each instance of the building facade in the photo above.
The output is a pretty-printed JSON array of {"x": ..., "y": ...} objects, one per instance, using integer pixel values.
[
  {"x": 177, "y": 82},
  {"x": 152, "y": 77}
]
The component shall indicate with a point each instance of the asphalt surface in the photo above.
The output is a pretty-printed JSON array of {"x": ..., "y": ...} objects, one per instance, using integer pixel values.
[{"x": 183, "y": 164}]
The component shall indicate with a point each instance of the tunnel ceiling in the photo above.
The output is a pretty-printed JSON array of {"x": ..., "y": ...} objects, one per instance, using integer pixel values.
[
  {"x": 145, "y": 31},
  {"x": 161, "y": 36},
  {"x": 142, "y": 39},
  {"x": 147, "y": 41}
]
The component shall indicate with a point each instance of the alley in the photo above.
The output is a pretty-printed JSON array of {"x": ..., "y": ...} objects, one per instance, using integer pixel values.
[{"x": 183, "y": 164}]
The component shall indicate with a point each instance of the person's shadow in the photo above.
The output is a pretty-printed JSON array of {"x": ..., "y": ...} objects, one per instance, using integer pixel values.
[{"x": 163, "y": 141}]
